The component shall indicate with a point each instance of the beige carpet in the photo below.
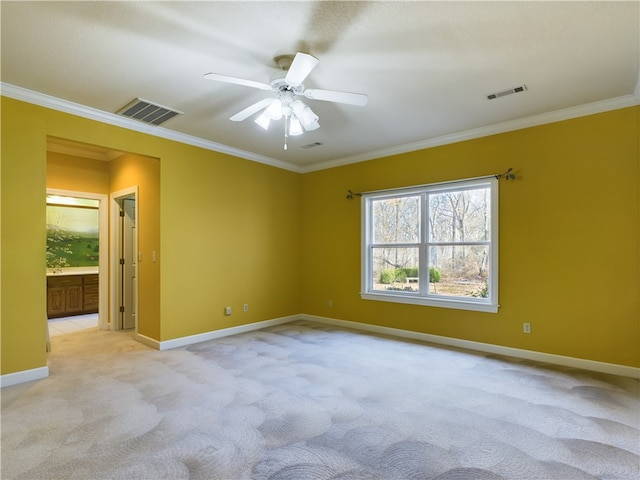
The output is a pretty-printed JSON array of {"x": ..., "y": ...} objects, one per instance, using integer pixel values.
[{"x": 308, "y": 401}]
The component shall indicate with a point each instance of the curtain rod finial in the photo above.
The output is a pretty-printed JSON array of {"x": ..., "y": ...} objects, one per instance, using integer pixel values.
[{"x": 508, "y": 175}]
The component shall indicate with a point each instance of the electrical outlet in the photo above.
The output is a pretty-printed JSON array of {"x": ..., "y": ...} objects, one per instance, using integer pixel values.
[
  {"x": 227, "y": 310},
  {"x": 329, "y": 303},
  {"x": 526, "y": 328},
  {"x": 246, "y": 307}
]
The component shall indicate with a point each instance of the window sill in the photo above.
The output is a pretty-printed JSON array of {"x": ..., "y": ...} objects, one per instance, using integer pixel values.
[{"x": 431, "y": 302}]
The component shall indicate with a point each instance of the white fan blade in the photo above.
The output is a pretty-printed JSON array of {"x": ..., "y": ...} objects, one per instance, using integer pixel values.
[
  {"x": 301, "y": 66},
  {"x": 251, "y": 109},
  {"x": 237, "y": 81},
  {"x": 358, "y": 99}
]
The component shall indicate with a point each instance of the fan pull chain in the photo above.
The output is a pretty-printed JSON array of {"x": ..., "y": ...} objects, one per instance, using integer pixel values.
[{"x": 286, "y": 131}]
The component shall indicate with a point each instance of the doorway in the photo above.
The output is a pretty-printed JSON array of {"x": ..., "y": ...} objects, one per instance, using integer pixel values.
[
  {"x": 124, "y": 244},
  {"x": 64, "y": 295}
]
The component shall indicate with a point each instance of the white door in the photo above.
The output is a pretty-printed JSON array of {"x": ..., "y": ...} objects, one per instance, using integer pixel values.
[{"x": 128, "y": 263}]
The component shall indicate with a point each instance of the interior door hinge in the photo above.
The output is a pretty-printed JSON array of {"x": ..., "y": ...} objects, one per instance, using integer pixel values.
[
  {"x": 122, "y": 261},
  {"x": 122, "y": 309},
  {"x": 122, "y": 213}
]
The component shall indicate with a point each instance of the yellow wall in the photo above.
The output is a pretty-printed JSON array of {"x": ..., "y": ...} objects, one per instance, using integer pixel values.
[
  {"x": 230, "y": 236},
  {"x": 127, "y": 171},
  {"x": 22, "y": 213},
  {"x": 569, "y": 242},
  {"x": 229, "y": 232},
  {"x": 234, "y": 231},
  {"x": 68, "y": 172}
]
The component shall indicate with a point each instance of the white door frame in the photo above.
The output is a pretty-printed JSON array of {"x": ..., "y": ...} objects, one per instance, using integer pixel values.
[
  {"x": 103, "y": 252},
  {"x": 114, "y": 255}
]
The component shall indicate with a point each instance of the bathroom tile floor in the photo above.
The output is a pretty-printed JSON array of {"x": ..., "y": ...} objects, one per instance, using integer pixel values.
[{"x": 60, "y": 326}]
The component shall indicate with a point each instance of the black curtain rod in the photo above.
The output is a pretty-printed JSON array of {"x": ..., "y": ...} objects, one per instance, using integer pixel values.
[{"x": 507, "y": 175}]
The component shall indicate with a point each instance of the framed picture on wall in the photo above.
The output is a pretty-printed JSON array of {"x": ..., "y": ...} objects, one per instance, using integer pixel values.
[{"x": 72, "y": 234}]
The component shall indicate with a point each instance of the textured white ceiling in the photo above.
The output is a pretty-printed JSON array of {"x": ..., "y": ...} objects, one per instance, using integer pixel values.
[{"x": 427, "y": 67}]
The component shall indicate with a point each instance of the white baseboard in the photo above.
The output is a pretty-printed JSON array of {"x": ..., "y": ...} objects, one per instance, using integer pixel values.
[
  {"x": 225, "y": 332},
  {"x": 610, "y": 368},
  {"x": 9, "y": 379},
  {"x": 148, "y": 341}
]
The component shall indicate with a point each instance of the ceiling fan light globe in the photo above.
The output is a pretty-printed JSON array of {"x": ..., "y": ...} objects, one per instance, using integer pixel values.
[
  {"x": 295, "y": 127},
  {"x": 297, "y": 107},
  {"x": 311, "y": 126},
  {"x": 308, "y": 116},
  {"x": 274, "y": 111}
]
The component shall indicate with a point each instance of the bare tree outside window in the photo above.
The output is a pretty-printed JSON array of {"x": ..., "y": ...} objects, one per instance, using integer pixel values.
[
  {"x": 432, "y": 242},
  {"x": 397, "y": 232},
  {"x": 459, "y": 237}
]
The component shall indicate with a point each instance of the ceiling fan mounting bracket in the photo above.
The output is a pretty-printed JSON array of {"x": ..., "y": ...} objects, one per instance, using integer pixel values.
[
  {"x": 279, "y": 83},
  {"x": 284, "y": 61}
]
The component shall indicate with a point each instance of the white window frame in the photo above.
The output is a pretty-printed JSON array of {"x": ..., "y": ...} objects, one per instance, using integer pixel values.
[{"x": 423, "y": 297}]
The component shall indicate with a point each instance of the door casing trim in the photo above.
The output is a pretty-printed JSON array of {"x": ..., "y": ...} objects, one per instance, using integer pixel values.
[{"x": 114, "y": 255}]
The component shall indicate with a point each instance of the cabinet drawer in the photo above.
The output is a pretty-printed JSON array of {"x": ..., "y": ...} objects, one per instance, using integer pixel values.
[
  {"x": 64, "y": 281},
  {"x": 90, "y": 280}
]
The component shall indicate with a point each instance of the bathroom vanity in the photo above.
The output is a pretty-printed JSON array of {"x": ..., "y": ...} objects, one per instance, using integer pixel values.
[{"x": 72, "y": 294}]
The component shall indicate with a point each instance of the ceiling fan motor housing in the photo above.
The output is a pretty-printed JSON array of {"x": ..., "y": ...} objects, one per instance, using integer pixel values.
[
  {"x": 286, "y": 83},
  {"x": 280, "y": 85}
]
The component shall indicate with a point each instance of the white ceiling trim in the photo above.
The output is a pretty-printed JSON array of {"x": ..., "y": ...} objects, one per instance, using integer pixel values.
[
  {"x": 29, "y": 96},
  {"x": 47, "y": 101},
  {"x": 497, "y": 128}
]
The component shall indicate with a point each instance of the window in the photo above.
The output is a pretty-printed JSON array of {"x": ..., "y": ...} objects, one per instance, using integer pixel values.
[{"x": 433, "y": 245}]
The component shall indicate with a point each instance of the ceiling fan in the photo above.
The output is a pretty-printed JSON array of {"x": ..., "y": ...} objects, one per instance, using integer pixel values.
[{"x": 298, "y": 116}]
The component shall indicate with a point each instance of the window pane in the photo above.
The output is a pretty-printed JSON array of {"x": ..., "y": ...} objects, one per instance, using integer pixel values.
[
  {"x": 395, "y": 269},
  {"x": 460, "y": 271},
  {"x": 462, "y": 216},
  {"x": 396, "y": 220}
]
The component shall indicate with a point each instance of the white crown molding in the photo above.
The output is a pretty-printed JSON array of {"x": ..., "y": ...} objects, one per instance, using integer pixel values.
[
  {"x": 43, "y": 100},
  {"x": 47, "y": 101},
  {"x": 497, "y": 128}
]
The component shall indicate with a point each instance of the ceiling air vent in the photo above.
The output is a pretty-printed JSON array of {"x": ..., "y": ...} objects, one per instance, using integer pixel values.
[
  {"x": 504, "y": 93},
  {"x": 311, "y": 145},
  {"x": 147, "y": 112}
]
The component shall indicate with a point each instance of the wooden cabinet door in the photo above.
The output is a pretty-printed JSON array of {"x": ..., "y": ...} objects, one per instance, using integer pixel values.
[
  {"x": 56, "y": 301},
  {"x": 91, "y": 294},
  {"x": 74, "y": 299}
]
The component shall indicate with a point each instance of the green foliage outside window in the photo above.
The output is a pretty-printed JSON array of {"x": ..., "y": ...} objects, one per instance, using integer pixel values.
[{"x": 400, "y": 275}]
